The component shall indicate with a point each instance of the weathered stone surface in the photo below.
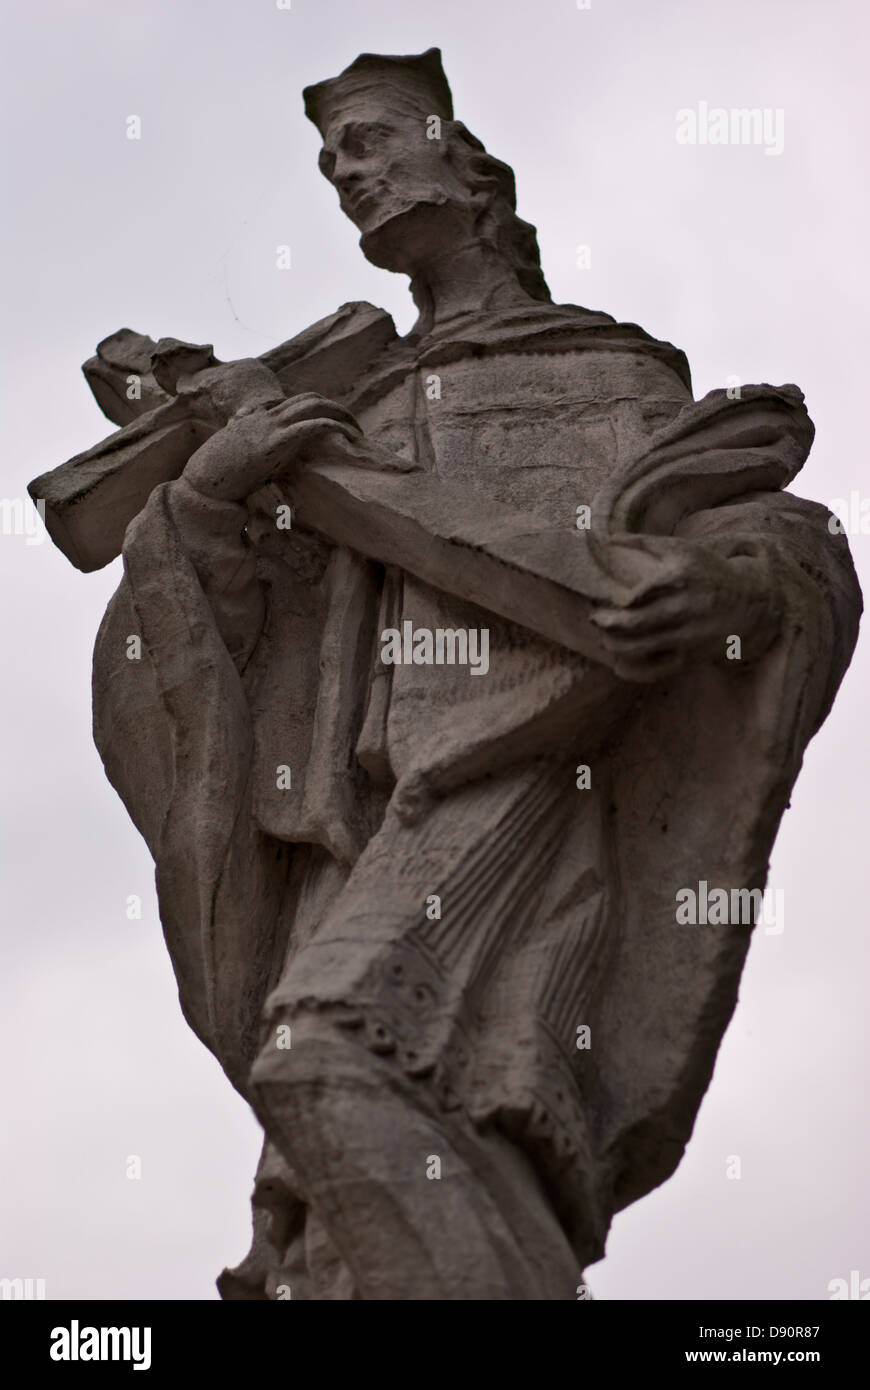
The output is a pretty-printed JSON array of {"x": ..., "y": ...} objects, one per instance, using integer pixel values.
[{"x": 423, "y": 910}]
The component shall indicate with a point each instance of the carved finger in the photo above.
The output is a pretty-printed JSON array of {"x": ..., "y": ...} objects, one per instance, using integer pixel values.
[
  {"x": 660, "y": 617},
  {"x": 659, "y": 613},
  {"x": 308, "y": 435},
  {"x": 310, "y": 406}
]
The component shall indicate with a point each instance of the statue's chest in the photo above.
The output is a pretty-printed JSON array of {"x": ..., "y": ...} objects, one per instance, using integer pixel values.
[{"x": 539, "y": 431}]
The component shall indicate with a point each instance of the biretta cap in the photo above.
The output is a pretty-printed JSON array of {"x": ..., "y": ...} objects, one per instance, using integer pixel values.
[{"x": 414, "y": 85}]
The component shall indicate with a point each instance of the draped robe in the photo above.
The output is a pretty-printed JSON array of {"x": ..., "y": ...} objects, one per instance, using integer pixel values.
[{"x": 261, "y": 651}]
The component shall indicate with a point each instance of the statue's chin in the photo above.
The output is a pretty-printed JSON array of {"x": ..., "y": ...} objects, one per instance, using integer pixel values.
[
  {"x": 406, "y": 237},
  {"x": 387, "y": 246}
]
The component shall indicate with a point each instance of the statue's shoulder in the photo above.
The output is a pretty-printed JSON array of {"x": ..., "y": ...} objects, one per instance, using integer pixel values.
[{"x": 569, "y": 327}]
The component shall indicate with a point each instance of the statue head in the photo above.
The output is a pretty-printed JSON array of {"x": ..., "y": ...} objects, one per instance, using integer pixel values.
[{"x": 415, "y": 181}]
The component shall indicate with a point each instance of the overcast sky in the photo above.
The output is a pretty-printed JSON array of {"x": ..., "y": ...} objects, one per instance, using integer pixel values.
[{"x": 754, "y": 263}]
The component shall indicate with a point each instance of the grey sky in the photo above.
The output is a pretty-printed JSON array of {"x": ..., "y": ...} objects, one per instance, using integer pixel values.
[{"x": 754, "y": 264}]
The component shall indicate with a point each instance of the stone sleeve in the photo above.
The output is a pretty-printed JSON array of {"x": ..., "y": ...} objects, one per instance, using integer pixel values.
[{"x": 212, "y": 534}]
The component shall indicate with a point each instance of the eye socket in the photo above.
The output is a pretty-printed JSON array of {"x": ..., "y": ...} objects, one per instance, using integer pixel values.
[
  {"x": 359, "y": 142},
  {"x": 356, "y": 147}
]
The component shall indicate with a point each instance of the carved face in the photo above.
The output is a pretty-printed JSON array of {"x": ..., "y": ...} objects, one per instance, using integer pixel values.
[{"x": 384, "y": 167}]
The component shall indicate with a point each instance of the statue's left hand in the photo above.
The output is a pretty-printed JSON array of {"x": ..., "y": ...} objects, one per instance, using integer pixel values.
[{"x": 701, "y": 602}]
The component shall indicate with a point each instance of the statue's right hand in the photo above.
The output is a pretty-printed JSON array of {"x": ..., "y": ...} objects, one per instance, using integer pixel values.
[{"x": 255, "y": 446}]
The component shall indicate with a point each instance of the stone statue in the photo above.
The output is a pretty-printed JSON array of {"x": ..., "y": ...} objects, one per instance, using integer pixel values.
[{"x": 446, "y": 672}]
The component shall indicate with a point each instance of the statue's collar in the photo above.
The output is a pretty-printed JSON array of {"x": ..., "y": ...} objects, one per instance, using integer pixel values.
[{"x": 539, "y": 328}]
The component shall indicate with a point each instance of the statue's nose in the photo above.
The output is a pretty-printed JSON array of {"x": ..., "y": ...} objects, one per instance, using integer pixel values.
[
  {"x": 348, "y": 182},
  {"x": 346, "y": 173}
]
